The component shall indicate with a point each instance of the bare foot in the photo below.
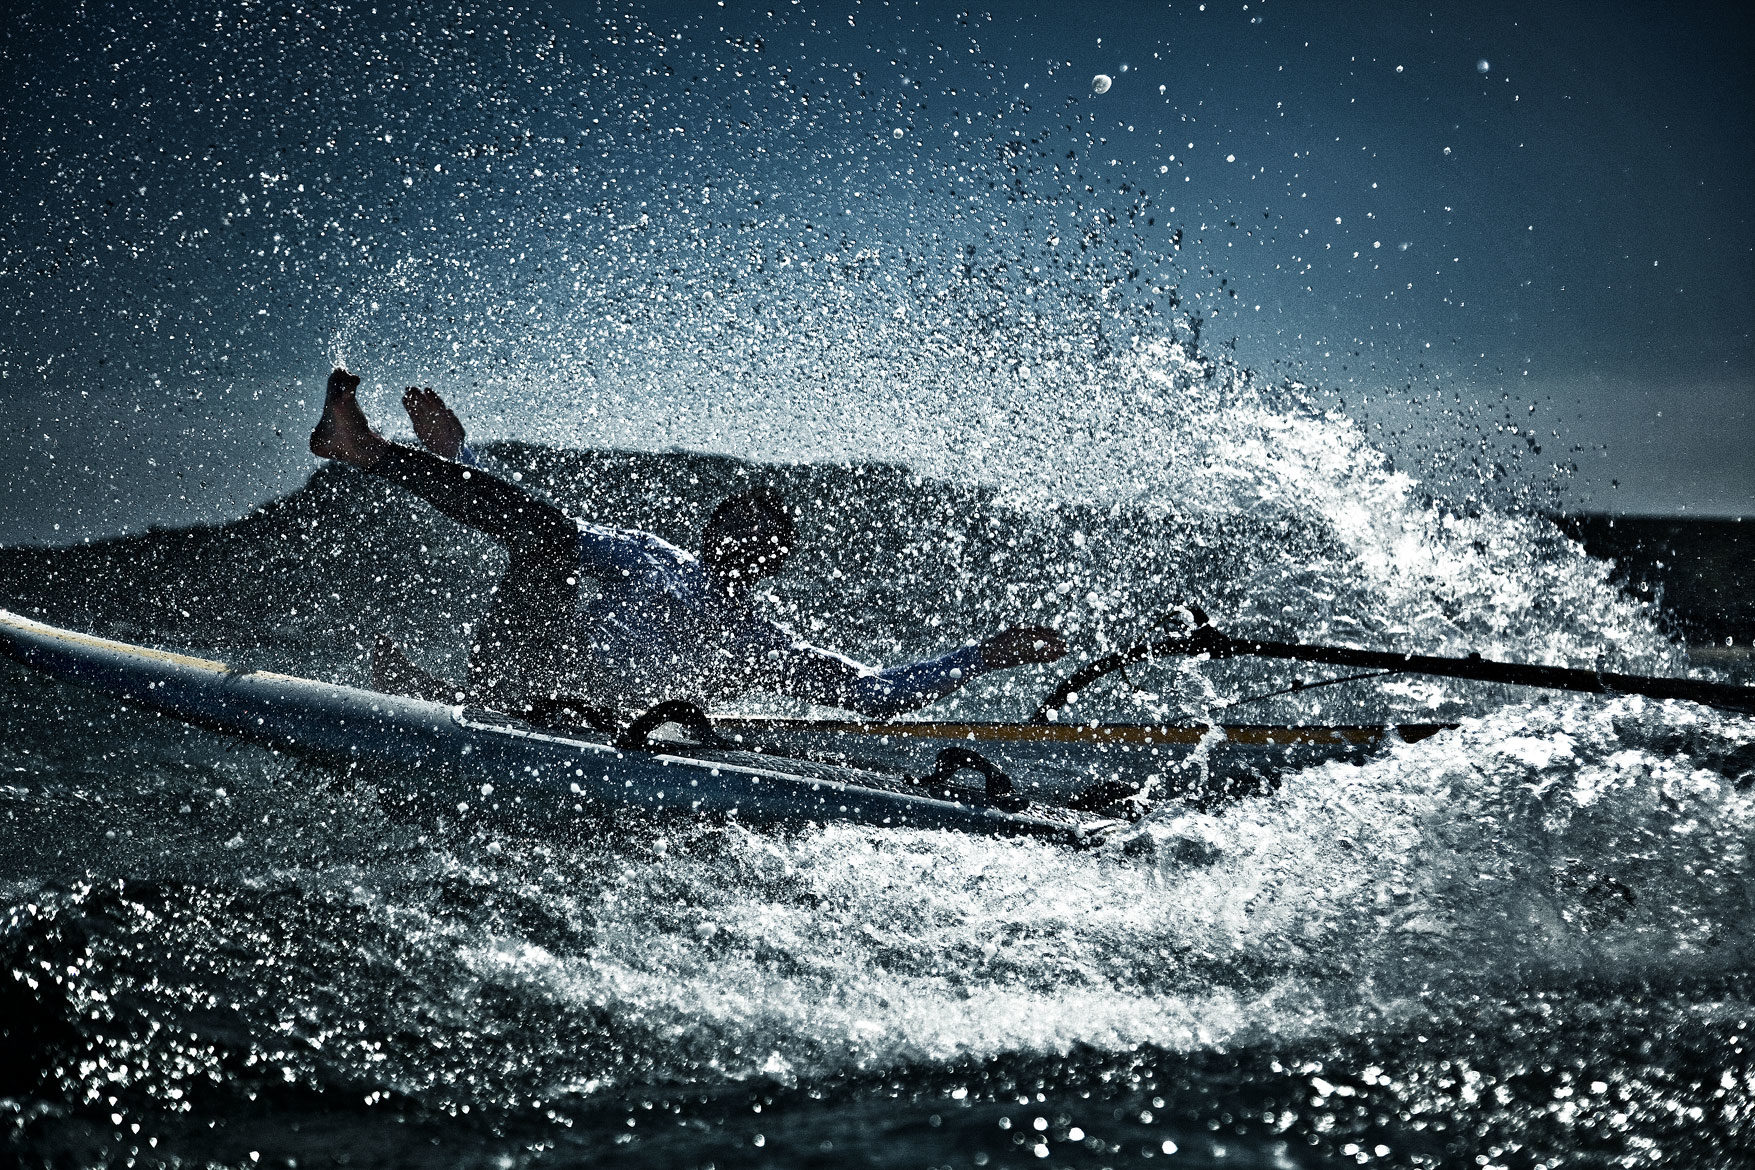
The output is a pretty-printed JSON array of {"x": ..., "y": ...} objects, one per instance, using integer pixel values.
[
  {"x": 343, "y": 432},
  {"x": 435, "y": 424}
]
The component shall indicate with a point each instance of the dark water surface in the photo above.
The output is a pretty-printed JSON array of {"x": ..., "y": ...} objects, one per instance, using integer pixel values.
[{"x": 1524, "y": 942}]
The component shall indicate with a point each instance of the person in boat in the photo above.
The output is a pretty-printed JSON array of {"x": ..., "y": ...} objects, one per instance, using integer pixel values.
[{"x": 664, "y": 624}]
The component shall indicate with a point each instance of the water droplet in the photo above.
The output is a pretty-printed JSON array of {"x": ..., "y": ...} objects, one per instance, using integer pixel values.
[{"x": 1101, "y": 83}]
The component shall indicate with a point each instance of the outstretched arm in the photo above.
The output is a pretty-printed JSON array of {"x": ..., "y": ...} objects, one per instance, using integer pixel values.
[{"x": 822, "y": 676}]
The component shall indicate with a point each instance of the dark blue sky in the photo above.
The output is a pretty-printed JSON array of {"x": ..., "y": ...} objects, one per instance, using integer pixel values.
[{"x": 202, "y": 207}]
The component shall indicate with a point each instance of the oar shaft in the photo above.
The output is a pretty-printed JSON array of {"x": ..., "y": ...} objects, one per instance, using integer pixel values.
[
  {"x": 1216, "y": 645},
  {"x": 1563, "y": 678}
]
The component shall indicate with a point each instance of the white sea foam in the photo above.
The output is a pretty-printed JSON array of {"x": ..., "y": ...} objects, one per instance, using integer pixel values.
[{"x": 1544, "y": 844}]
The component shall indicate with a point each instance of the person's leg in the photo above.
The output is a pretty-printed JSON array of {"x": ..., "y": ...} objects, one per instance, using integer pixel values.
[
  {"x": 525, "y": 645},
  {"x": 468, "y": 495},
  {"x": 527, "y": 640},
  {"x": 479, "y": 500},
  {"x": 394, "y": 674}
]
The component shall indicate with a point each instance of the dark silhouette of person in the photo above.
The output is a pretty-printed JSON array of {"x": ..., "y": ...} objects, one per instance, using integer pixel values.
[{"x": 664, "y": 624}]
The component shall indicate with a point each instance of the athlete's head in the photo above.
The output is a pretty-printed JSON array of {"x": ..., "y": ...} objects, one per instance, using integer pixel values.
[{"x": 748, "y": 537}]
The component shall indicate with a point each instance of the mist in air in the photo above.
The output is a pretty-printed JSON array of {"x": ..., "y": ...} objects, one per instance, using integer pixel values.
[{"x": 718, "y": 228}]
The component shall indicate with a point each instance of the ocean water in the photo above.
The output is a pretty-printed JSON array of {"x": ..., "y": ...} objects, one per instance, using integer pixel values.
[{"x": 654, "y": 260}]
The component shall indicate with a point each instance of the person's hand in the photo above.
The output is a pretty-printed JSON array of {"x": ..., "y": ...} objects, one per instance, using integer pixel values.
[
  {"x": 342, "y": 382},
  {"x": 1025, "y": 644}
]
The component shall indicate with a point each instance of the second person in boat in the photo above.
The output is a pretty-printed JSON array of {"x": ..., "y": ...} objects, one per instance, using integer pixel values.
[{"x": 664, "y": 624}]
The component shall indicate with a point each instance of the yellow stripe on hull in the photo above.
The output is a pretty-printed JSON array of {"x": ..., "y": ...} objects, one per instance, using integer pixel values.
[{"x": 1101, "y": 733}]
